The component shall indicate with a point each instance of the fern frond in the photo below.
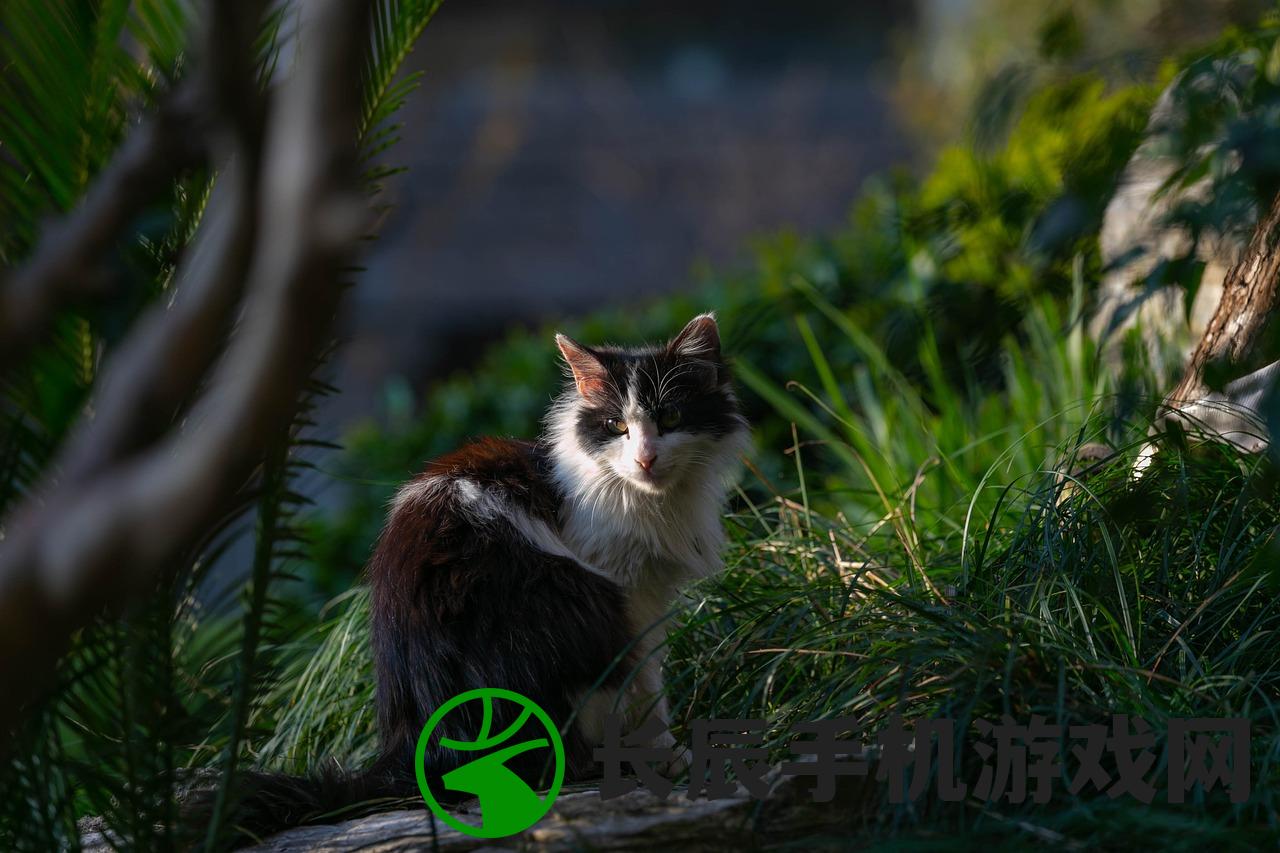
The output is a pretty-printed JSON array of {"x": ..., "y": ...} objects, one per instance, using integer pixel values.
[
  {"x": 191, "y": 678},
  {"x": 396, "y": 27}
]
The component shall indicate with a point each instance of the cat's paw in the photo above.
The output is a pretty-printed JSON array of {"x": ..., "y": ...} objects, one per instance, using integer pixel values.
[
  {"x": 680, "y": 763},
  {"x": 678, "y": 766}
]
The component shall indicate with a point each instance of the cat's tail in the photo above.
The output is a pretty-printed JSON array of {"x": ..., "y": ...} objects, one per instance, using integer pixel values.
[{"x": 266, "y": 803}]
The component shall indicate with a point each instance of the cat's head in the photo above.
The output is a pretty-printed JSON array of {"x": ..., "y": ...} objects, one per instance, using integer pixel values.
[{"x": 650, "y": 416}]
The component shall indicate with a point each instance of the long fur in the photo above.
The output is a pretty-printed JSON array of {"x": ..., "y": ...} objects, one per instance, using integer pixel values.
[
  {"x": 264, "y": 803},
  {"x": 541, "y": 567}
]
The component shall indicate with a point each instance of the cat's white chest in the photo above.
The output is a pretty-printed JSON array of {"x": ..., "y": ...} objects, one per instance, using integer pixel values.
[
  {"x": 662, "y": 549},
  {"x": 647, "y": 568}
]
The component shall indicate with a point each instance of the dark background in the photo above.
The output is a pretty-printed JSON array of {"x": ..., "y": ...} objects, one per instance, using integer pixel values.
[{"x": 566, "y": 155}]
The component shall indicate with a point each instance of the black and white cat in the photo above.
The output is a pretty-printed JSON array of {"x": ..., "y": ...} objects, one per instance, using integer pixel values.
[
  {"x": 542, "y": 567},
  {"x": 546, "y": 567}
]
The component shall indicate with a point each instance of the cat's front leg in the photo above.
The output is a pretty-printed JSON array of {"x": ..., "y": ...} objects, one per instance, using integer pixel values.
[
  {"x": 648, "y": 701},
  {"x": 682, "y": 758}
]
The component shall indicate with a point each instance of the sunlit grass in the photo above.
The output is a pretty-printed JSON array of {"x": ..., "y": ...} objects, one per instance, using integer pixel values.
[{"x": 949, "y": 569}]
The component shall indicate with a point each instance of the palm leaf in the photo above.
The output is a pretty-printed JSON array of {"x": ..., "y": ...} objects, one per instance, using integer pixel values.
[
  {"x": 192, "y": 665},
  {"x": 68, "y": 89},
  {"x": 396, "y": 27}
]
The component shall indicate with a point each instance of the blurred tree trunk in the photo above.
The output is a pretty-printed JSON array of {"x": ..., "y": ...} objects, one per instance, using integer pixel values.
[
  {"x": 135, "y": 484},
  {"x": 1233, "y": 341}
]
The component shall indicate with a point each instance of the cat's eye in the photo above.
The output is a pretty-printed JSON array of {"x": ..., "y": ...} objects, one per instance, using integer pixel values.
[
  {"x": 668, "y": 417},
  {"x": 616, "y": 426}
]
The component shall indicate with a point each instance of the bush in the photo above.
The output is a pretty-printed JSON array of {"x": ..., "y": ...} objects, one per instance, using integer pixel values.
[
  {"x": 962, "y": 253},
  {"x": 906, "y": 542},
  {"x": 962, "y": 577}
]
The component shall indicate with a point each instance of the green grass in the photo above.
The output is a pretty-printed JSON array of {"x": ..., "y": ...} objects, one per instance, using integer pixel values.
[
  {"x": 934, "y": 564},
  {"x": 900, "y": 544},
  {"x": 904, "y": 542},
  {"x": 1151, "y": 599},
  {"x": 955, "y": 574},
  {"x": 958, "y": 254}
]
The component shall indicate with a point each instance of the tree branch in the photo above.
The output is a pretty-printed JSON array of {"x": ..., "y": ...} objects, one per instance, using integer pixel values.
[
  {"x": 1233, "y": 342},
  {"x": 102, "y": 537},
  {"x": 1249, "y": 296},
  {"x": 64, "y": 267},
  {"x": 155, "y": 371}
]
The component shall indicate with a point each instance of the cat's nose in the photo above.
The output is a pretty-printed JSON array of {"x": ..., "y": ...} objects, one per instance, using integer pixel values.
[{"x": 646, "y": 462}]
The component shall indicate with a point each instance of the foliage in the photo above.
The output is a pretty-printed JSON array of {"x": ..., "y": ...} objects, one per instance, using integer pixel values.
[
  {"x": 1149, "y": 599},
  {"x": 68, "y": 93},
  {"x": 902, "y": 544},
  {"x": 965, "y": 58},
  {"x": 899, "y": 466},
  {"x": 962, "y": 252},
  {"x": 1223, "y": 134},
  {"x": 962, "y": 577},
  {"x": 186, "y": 679},
  {"x": 912, "y": 547}
]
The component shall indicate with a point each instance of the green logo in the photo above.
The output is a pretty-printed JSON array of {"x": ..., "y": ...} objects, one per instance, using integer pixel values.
[{"x": 507, "y": 804}]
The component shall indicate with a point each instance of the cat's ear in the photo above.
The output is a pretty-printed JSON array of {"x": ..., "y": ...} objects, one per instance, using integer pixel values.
[
  {"x": 700, "y": 338},
  {"x": 588, "y": 371}
]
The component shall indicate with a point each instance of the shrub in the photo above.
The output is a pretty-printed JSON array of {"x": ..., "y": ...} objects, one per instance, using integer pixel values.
[{"x": 962, "y": 253}]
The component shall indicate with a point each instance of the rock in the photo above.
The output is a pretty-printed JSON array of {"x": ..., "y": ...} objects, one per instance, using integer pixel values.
[
  {"x": 1137, "y": 238},
  {"x": 637, "y": 821}
]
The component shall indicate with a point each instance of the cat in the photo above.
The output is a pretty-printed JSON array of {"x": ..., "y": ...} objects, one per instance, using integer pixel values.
[{"x": 545, "y": 567}]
